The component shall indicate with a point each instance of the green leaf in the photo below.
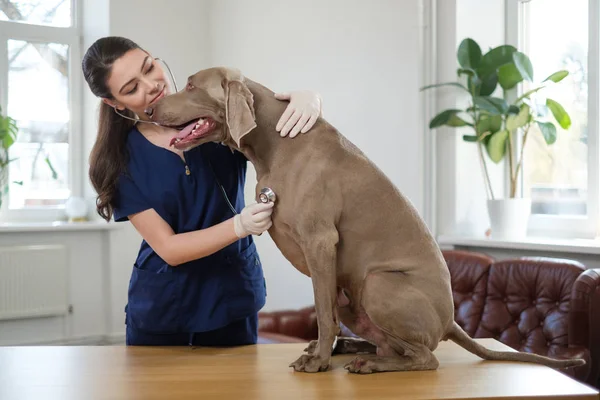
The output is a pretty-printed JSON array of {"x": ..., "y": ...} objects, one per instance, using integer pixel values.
[
  {"x": 559, "y": 113},
  {"x": 456, "y": 121},
  {"x": 548, "y": 131},
  {"x": 445, "y": 84},
  {"x": 496, "y": 146},
  {"x": 493, "y": 59},
  {"x": 488, "y": 84},
  {"x": 443, "y": 118},
  {"x": 469, "y": 138},
  {"x": 509, "y": 76},
  {"x": 485, "y": 137},
  {"x": 8, "y": 141},
  {"x": 489, "y": 123},
  {"x": 465, "y": 71},
  {"x": 493, "y": 105},
  {"x": 517, "y": 121},
  {"x": 469, "y": 54},
  {"x": 557, "y": 76},
  {"x": 512, "y": 109},
  {"x": 523, "y": 64}
]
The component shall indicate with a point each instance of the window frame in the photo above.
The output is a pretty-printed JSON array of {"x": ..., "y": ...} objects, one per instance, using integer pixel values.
[
  {"x": 71, "y": 36},
  {"x": 570, "y": 226}
]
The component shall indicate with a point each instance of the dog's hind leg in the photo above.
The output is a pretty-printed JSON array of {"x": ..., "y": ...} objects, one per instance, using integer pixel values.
[
  {"x": 420, "y": 359},
  {"x": 402, "y": 322}
]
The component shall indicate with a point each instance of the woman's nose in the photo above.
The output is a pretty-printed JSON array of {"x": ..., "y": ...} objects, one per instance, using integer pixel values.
[{"x": 151, "y": 85}]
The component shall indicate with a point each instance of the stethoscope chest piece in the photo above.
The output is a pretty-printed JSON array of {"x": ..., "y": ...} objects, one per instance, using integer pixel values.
[{"x": 267, "y": 195}]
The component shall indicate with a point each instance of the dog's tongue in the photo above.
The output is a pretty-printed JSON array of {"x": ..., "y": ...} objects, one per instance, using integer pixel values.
[{"x": 185, "y": 131}]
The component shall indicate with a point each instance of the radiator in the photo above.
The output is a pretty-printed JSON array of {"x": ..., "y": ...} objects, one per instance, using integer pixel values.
[{"x": 33, "y": 281}]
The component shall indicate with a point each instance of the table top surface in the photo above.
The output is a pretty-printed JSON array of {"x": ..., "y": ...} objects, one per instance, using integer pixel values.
[{"x": 262, "y": 372}]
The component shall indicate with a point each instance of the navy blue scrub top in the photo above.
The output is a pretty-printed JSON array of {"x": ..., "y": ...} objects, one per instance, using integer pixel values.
[{"x": 203, "y": 294}]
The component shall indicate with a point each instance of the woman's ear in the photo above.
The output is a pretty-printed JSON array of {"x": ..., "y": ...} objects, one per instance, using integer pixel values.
[{"x": 113, "y": 104}]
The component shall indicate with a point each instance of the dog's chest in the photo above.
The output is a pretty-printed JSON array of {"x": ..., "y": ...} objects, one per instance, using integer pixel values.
[{"x": 288, "y": 243}]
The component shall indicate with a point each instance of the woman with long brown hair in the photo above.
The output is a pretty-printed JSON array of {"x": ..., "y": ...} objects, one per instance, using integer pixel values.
[{"x": 197, "y": 278}]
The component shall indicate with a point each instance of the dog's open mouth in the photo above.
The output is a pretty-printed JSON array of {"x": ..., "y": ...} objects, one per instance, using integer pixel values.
[{"x": 194, "y": 130}]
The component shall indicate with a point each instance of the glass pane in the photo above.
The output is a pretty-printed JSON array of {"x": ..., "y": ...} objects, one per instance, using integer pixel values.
[
  {"x": 38, "y": 98},
  {"x": 556, "y": 37},
  {"x": 40, "y": 12}
]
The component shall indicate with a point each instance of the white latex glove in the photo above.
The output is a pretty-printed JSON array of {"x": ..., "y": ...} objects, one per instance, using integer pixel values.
[
  {"x": 253, "y": 220},
  {"x": 301, "y": 114}
]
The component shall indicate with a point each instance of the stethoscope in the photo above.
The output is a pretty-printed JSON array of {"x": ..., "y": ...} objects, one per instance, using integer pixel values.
[{"x": 266, "y": 195}]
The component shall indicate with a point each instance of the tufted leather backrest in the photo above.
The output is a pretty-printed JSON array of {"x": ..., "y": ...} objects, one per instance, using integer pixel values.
[
  {"x": 469, "y": 274},
  {"x": 301, "y": 323},
  {"x": 527, "y": 304},
  {"x": 522, "y": 302}
]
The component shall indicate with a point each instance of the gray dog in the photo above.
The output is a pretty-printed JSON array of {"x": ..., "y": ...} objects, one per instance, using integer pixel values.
[{"x": 378, "y": 270}]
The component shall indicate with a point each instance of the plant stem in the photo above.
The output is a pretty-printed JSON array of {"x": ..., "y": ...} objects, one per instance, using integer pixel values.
[
  {"x": 486, "y": 176},
  {"x": 520, "y": 163},
  {"x": 510, "y": 165},
  {"x": 485, "y": 172}
]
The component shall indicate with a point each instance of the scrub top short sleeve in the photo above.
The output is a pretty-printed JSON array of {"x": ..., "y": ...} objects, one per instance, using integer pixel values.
[{"x": 129, "y": 199}]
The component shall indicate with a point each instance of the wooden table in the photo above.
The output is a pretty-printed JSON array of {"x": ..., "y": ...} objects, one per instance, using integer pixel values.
[{"x": 261, "y": 372}]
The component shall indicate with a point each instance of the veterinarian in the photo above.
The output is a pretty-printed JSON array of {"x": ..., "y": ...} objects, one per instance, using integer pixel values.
[{"x": 197, "y": 278}]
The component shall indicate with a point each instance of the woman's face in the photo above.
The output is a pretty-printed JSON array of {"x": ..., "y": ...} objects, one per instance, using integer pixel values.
[{"x": 136, "y": 81}]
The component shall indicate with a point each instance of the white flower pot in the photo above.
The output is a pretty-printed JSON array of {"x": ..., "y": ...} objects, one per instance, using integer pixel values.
[{"x": 509, "y": 218}]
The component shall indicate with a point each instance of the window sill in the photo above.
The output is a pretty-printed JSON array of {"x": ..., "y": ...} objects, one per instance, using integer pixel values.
[
  {"x": 56, "y": 226},
  {"x": 579, "y": 246}
]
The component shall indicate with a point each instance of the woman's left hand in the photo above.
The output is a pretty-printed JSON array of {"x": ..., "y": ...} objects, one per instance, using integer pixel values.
[{"x": 301, "y": 114}]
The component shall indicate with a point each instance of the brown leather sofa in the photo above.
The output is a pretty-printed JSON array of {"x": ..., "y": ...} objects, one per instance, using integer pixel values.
[{"x": 546, "y": 306}]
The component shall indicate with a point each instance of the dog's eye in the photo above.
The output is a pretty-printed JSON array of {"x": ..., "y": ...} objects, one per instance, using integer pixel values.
[{"x": 189, "y": 86}]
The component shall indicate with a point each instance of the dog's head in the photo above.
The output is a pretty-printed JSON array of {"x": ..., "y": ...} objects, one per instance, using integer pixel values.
[{"x": 215, "y": 106}]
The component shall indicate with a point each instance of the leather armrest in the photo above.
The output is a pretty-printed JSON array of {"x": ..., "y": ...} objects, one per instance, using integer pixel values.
[
  {"x": 580, "y": 373},
  {"x": 584, "y": 318}
]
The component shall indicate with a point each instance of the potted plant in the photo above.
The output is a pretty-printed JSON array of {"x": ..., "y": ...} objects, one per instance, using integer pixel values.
[
  {"x": 8, "y": 136},
  {"x": 500, "y": 126}
]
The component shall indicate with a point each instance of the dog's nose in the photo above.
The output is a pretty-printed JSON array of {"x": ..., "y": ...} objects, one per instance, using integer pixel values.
[{"x": 149, "y": 112}]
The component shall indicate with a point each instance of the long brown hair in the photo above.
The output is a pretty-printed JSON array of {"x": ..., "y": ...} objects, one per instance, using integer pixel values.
[{"x": 109, "y": 156}]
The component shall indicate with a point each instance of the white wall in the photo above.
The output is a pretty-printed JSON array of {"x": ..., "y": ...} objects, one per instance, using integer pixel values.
[{"x": 363, "y": 57}]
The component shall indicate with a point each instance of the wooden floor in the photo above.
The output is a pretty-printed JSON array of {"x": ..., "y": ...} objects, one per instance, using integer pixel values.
[{"x": 261, "y": 372}]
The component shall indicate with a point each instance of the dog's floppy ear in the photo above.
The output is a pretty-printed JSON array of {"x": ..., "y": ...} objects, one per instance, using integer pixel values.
[{"x": 239, "y": 110}]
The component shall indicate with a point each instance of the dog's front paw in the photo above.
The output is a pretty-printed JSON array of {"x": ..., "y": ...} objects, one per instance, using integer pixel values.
[
  {"x": 360, "y": 366},
  {"x": 311, "y": 346},
  {"x": 310, "y": 363}
]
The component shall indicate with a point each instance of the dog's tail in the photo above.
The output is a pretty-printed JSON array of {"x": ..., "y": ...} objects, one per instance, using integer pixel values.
[{"x": 460, "y": 337}]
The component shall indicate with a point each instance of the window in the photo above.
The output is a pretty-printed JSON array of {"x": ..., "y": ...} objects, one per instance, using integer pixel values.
[
  {"x": 562, "y": 179},
  {"x": 39, "y": 60}
]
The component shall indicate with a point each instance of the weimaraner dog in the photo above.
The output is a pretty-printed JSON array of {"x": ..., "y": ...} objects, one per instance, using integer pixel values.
[{"x": 374, "y": 266}]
